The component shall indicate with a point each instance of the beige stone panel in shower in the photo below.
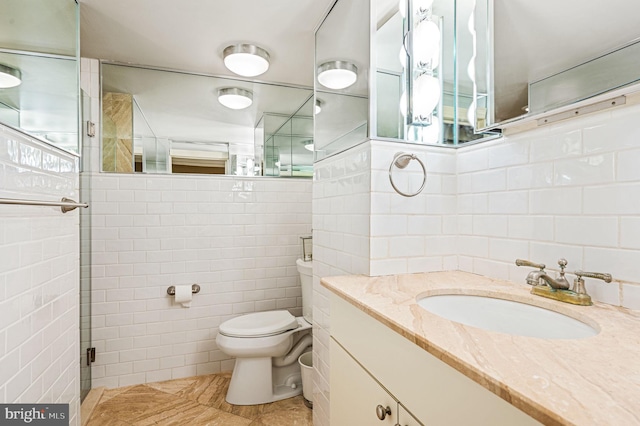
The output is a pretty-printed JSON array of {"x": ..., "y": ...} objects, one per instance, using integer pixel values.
[{"x": 117, "y": 132}]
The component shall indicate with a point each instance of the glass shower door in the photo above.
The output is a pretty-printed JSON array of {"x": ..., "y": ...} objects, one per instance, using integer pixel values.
[{"x": 85, "y": 251}]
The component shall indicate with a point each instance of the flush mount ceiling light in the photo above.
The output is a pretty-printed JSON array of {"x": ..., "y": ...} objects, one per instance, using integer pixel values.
[
  {"x": 9, "y": 77},
  {"x": 337, "y": 74},
  {"x": 246, "y": 60},
  {"x": 235, "y": 98},
  {"x": 308, "y": 145}
]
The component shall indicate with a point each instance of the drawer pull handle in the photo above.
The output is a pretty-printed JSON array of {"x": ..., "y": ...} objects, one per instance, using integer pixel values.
[{"x": 382, "y": 412}]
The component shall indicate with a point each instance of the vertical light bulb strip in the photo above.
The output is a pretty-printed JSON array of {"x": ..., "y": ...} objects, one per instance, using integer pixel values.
[
  {"x": 471, "y": 68},
  {"x": 423, "y": 88}
]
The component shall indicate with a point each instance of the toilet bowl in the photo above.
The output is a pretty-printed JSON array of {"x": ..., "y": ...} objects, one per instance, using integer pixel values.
[{"x": 266, "y": 346}]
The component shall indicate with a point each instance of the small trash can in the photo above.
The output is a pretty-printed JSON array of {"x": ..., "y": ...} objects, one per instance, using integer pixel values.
[{"x": 306, "y": 371}]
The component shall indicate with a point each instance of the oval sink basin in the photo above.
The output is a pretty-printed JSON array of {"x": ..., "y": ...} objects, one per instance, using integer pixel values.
[{"x": 506, "y": 316}]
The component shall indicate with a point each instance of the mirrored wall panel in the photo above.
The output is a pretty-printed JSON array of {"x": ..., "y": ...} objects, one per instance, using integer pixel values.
[
  {"x": 159, "y": 121},
  {"x": 342, "y": 78},
  {"x": 39, "y": 69},
  {"x": 425, "y": 52},
  {"x": 546, "y": 55},
  {"x": 285, "y": 144}
]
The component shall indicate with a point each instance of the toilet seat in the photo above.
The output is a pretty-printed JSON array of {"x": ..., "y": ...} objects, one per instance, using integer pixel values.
[{"x": 259, "y": 324}]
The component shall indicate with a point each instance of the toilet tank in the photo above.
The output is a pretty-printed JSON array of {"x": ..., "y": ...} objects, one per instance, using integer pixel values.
[{"x": 306, "y": 280}]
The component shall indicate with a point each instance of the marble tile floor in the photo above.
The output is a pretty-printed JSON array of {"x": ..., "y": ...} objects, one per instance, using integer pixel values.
[{"x": 193, "y": 401}]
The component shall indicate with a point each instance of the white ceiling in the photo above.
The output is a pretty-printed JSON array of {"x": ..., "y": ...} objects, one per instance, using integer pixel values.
[{"x": 191, "y": 34}]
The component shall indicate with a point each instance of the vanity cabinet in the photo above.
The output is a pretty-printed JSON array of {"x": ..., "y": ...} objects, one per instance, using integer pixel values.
[
  {"x": 358, "y": 399},
  {"x": 372, "y": 365}
]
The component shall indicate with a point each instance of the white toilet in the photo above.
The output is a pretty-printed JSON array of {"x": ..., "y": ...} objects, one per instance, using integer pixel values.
[{"x": 267, "y": 346}]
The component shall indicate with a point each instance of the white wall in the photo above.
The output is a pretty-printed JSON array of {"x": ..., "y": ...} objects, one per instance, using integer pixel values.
[
  {"x": 413, "y": 234},
  {"x": 362, "y": 226},
  {"x": 341, "y": 216},
  {"x": 238, "y": 238},
  {"x": 39, "y": 338},
  {"x": 570, "y": 189}
]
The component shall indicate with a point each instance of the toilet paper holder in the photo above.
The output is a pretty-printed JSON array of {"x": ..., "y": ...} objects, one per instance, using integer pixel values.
[{"x": 195, "y": 288}]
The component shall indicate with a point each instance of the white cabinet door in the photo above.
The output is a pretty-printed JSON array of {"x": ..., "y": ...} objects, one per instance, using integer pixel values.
[
  {"x": 405, "y": 418},
  {"x": 355, "y": 395}
]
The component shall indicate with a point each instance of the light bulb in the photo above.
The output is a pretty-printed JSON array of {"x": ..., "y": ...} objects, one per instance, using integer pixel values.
[
  {"x": 403, "y": 104},
  {"x": 471, "y": 113},
  {"x": 246, "y": 60},
  {"x": 9, "y": 77},
  {"x": 426, "y": 44},
  {"x": 471, "y": 69},
  {"x": 402, "y": 56},
  {"x": 337, "y": 74},
  {"x": 235, "y": 98},
  {"x": 402, "y": 7},
  {"x": 426, "y": 95},
  {"x": 431, "y": 133}
]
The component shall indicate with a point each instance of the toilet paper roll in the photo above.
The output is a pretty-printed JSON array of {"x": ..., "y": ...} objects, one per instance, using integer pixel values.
[{"x": 184, "y": 295}]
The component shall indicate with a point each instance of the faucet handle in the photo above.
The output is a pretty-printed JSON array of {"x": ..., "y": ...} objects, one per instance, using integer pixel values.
[
  {"x": 562, "y": 263},
  {"x": 604, "y": 277},
  {"x": 522, "y": 262},
  {"x": 578, "y": 283}
]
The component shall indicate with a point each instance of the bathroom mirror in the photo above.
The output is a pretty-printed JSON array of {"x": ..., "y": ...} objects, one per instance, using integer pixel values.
[
  {"x": 546, "y": 54},
  {"x": 285, "y": 144},
  {"x": 400, "y": 40},
  {"x": 342, "y": 45},
  {"x": 378, "y": 104},
  {"x": 159, "y": 121},
  {"x": 38, "y": 43}
]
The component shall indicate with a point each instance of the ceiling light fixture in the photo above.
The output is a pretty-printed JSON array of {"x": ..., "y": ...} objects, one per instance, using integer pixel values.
[
  {"x": 318, "y": 106},
  {"x": 247, "y": 60},
  {"x": 337, "y": 74},
  {"x": 9, "y": 77},
  {"x": 235, "y": 98},
  {"x": 308, "y": 145}
]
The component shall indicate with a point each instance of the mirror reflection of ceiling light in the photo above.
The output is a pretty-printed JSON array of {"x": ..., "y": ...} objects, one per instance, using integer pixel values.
[
  {"x": 246, "y": 60},
  {"x": 318, "y": 106},
  {"x": 9, "y": 77},
  {"x": 308, "y": 145},
  {"x": 235, "y": 98},
  {"x": 337, "y": 74}
]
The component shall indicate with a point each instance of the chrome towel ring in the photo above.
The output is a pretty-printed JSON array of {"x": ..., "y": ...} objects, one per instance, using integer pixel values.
[{"x": 402, "y": 160}]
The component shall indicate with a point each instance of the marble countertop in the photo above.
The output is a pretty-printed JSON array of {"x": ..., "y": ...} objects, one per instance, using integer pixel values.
[{"x": 591, "y": 381}]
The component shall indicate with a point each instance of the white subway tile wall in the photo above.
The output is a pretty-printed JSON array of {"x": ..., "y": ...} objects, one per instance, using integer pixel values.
[
  {"x": 90, "y": 84},
  {"x": 39, "y": 337},
  {"x": 572, "y": 191},
  {"x": 408, "y": 233},
  {"x": 362, "y": 226},
  {"x": 565, "y": 190},
  {"x": 341, "y": 209},
  {"x": 238, "y": 238}
]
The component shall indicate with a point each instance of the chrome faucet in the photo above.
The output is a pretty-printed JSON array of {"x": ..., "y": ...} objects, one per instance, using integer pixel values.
[
  {"x": 558, "y": 288},
  {"x": 559, "y": 283}
]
